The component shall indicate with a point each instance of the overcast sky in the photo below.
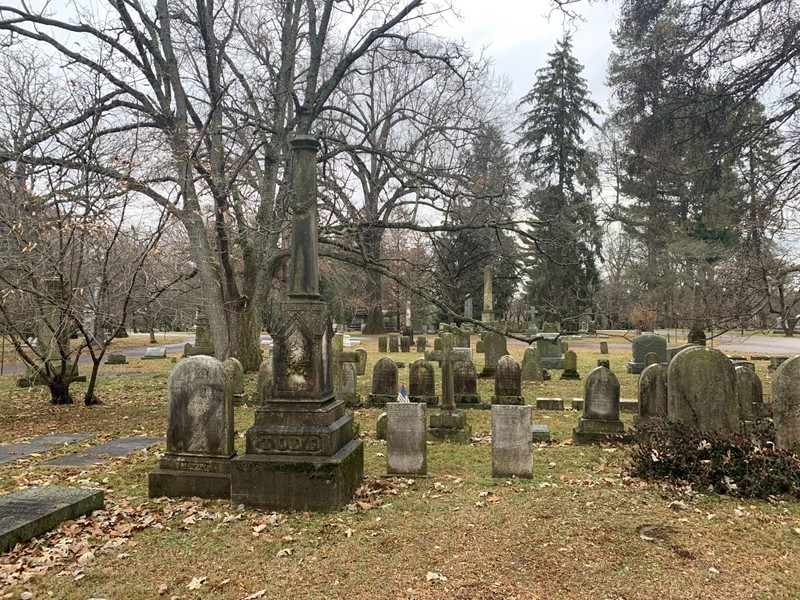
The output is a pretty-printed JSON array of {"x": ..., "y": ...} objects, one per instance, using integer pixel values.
[{"x": 518, "y": 34}]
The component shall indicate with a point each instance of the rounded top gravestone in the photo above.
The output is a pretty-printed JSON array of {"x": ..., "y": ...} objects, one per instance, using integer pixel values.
[
  {"x": 420, "y": 378},
  {"x": 235, "y": 373},
  {"x": 786, "y": 404},
  {"x": 601, "y": 395},
  {"x": 507, "y": 377},
  {"x": 264, "y": 384},
  {"x": 749, "y": 391},
  {"x": 701, "y": 390},
  {"x": 200, "y": 406},
  {"x": 384, "y": 377}
]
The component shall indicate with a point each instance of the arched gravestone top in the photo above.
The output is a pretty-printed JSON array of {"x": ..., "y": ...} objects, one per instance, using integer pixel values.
[
  {"x": 200, "y": 408},
  {"x": 264, "y": 384},
  {"x": 601, "y": 395},
  {"x": 653, "y": 392},
  {"x": 701, "y": 390},
  {"x": 384, "y": 377},
  {"x": 235, "y": 373},
  {"x": 531, "y": 365},
  {"x": 649, "y": 342},
  {"x": 749, "y": 391},
  {"x": 786, "y": 404},
  {"x": 420, "y": 378},
  {"x": 507, "y": 377}
]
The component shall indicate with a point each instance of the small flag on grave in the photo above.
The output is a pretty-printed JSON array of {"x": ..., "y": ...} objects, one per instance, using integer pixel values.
[{"x": 402, "y": 396}]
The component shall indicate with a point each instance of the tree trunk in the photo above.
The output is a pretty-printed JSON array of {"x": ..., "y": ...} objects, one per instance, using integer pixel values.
[
  {"x": 788, "y": 326},
  {"x": 374, "y": 306},
  {"x": 89, "y": 399},
  {"x": 59, "y": 390}
]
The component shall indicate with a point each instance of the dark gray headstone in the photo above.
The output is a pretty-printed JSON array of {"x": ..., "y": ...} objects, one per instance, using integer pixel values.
[
  {"x": 570, "y": 365},
  {"x": 550, "y": 353},
  {"x": 422, "y": 343},
  {"x": 384, "y": 382},
  {"x": 349, "y": 391},
  {"x": 465, "y": 384},
  {"x": 511, "y": 441},
  {"x": 549, "y": 404},
  {"x": 507, "y": 382},
  {"x": 749, "y": 392},
  {"x": 116, "y": 359},
  {"x": 603, "y": 347},
  {"x": 35, "y": 510},
  {"x": 361, "y": 363},
  {"x": 600, "y": 421},
  {"x": 644, "y": 344},
  {"x": 235, "y": 375},
  {"x": 531, "y": 365},
  {"x": 264, "y": 384},
  {"x": 421, "y": 383},
  {"x": 405, "y": 344},
  {"x": 494, "y": 349},
  {"x": 652, "y": 393},
  {"x": 406, "y": 448},
  {"x": 394, "y": 342},
  {"x": 383, "y": 344}
]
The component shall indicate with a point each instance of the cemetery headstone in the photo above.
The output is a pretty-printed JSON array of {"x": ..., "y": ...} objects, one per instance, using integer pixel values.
[
  {"x": 300, "y": 452},
  {"x": 448, "y": 423},
  {"x": 480, "y": 347},
  {"x": 641, "y": 346},
  {"x": 199, "y": 432},
  {"x": 697, "y": 334},
  {"x": 188, "y": 350},
  {"x": 651, "y": 358},
  {"x": 236, "y": 377},
  {"x": 349, "y": 390},
  {"x": 603, "y": 347},
  {"x": 394, "y": 343},
  {"x": 203, "y": 344},
  {"x": 361, "y": 362},
  {"x": 549, "y": 404},
  {"x": 383, "y": 345},
  {"x": 437, "y": 344},
  {"x": 422, "y": 343},
  {"x": 749, "y": 392},
  {"x": 604, "y": 362},
  {"x": 116, "y": 359},
  {"x": 422, "y": 386},
  {"x": 264, "y": 383},
  {"x": 652, "y": 393},
  {"x": 487, "y": 316},
  {"x": 507, "y": 382},
  {"x": 786, "y": 404},
  {"x": 549, "y": 327},
  {"x": 512, "y": 454},
  {"x": 31, "y": 512},
  {"x": 495, "y": 348},
  {"x": 550, "y": 353},
  {"x": 570, "y": 366},
  {"x": 381, "y": 425},
  {"x": 405, "y": 344},
  {"x": 600, "y": 421},
  {"x": 384, "y": 383},
  {"x": 532, "y": 328},
  {"x": 540, "y": 433},
  {"x": 465, "y": 384},
  {"x": 406, "y": 447},
  {"x": 701, "y": 390},
  {"x": 531, "y": 365}
]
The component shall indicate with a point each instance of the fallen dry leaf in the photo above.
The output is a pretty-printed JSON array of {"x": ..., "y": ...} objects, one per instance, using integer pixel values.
[
  {"x": 196, "y": 583},
  {"x": 433, "y": 576}
]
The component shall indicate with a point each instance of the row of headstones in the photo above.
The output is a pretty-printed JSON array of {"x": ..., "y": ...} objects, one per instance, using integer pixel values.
[{"x": 407, "y": 449}]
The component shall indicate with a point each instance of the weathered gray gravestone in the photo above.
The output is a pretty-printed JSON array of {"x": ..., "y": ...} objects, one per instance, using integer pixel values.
[
  {"x": 154, "y": 353},
  {"x": 480, "y": 347},
  {"x": 641, "y": 346},
  {"x": 32, "y": 511},
  {"x": 406, "y": 448},
  {"x": 361, "y": 362},
  {"x": 600, "y": 421},
  {"x": 437, "y": 344},
  {"x": 422, "y": 342},
  {"x": 448, "y": 423},
  {"x": 672, "y": 352},
  {"x": 549, "y": 404},
  {"x": 465, "y": 385},
  {"x": 384, "y": 383},
  {"x": 199, "y": 432},
  {"x": 511, "y": 441},
  {"x": 421, "y": 383},
  {"x": 786, "y": 404},
  {"x": 301, "y": 454},
  {"x": 116, "y": 359},
  {"x": 603, "y": 347},
  {"x": 507, "y": 382},
  {"x": 394, "y": 342},
  {"x": 749, "y": 391},
  {"x": 604, "y": 362},
  {"x": 264, "y": 383},
  {"x": 570, "y": 366},
  {"x": 701, "y": 390},
  {"x": 652, "y": 393},
  {"x": 531, "y": 365},
  {"x": 188, "y": 350},
  {"x": 383, "y": 345},
  {"x": 349, "y": 390},
  {"x": 236, "y": 377},
  {"x": 550, "y": 353},
  {"x": 487, "y": 316},
  {"x": 381, "y": 425},
  {"x": 495, "y": 348},
  {"x": 203, "y": 345},
  {"x": 405, "y": 344}
]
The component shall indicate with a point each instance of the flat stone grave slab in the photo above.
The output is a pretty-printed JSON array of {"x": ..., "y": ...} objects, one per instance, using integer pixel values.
[
  {"x": 31, "y": 512},
  {"x": 11, "y": 452},
  {"x": 97, "y": 454},
  {"x": 152, "y": 353}
]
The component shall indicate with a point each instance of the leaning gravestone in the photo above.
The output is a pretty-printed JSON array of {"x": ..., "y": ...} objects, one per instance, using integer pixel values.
[
  {"x": 600, "y": 421},
  {"x": 550, "y": 353},
  {"x": 421, "y": 384},
  {"x": 32, "y": 511},
  {"x": 531, "y": 365},
  {"x": 406, "y": 448},
  {"x": 199, "y": 432},
  {"x": 749, "y": 391},
  {"x": 701, "y": 390},
  {"x": 507, "y": 382},
  {"x": 511, "y": 441},
  {"x": 652, "y": 393},
  {"x": 384, "y": 383},
  {"x": 570, "y": 366},
  {"x": 495, "y": 348},
  {"x": 465, "y": 385},
  {"x": 786, "y": 404},
  {"x": 641, "y": 346}
]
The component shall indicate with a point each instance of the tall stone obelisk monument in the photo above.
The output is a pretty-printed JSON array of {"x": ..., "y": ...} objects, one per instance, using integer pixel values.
[{"x": 300, "y": 453}]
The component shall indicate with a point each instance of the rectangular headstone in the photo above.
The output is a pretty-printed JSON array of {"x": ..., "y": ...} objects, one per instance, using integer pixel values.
[
  {"x": 540, "y": 433},
  {"x": 152, "y": 353},
  {"x": 511, "y": 441},
  {"x": 31, "y": 512},
  {"x": 406, "y": 448},
  {"x": 549, "y": 404}
]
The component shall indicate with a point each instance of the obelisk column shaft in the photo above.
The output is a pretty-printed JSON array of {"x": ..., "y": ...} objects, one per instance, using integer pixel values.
[
  {"x": 304, "y": 281},
  {"x": 488, "y": 301}
]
